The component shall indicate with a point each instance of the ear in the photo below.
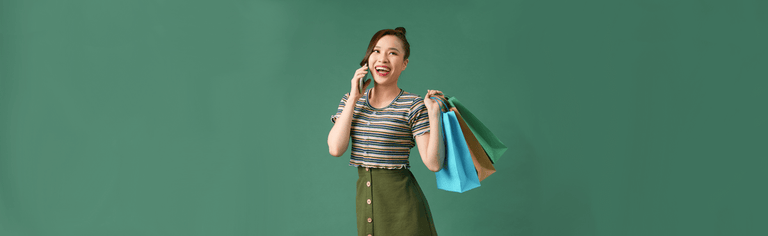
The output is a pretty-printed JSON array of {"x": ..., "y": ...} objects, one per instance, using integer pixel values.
[{"x": 405, "y": 64}]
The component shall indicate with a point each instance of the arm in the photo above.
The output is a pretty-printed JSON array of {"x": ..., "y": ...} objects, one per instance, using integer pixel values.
[
  {"x": 338, "y": 138},
  {"x": 431, "y": 144}
]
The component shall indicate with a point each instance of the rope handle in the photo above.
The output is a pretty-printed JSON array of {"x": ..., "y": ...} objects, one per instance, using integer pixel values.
[{"x": 441, "y": 100}]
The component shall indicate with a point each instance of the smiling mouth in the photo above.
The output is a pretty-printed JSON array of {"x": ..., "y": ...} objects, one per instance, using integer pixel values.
[{"x": 382, "y": 71}]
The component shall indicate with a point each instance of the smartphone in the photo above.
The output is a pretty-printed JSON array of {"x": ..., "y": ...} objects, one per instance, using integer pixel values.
[{"x": 368, "y": 76}]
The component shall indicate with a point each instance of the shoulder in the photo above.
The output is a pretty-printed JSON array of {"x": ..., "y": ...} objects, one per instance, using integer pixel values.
[
  {"x": 411, "y": 98},
  {"x": 414, "y": 101},
  {"x": 345, "y": 98}
]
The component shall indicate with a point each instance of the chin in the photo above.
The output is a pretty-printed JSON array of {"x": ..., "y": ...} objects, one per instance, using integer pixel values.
[
  {"x": 382, "y": 80},
  {"x": 385, "y": 80}
]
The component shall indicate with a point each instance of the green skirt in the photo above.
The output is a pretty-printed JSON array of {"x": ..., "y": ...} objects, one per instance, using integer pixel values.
[{"x": 390, "y": 202}]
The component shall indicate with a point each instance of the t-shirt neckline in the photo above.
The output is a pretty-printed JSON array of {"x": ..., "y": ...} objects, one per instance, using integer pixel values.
[{"x": 367, "y": 103}]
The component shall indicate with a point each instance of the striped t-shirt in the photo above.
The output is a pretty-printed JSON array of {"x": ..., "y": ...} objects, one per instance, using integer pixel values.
[{"x": 383, "y": 138}]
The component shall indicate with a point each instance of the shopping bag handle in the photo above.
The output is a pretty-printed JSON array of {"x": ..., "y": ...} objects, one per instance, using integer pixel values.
[{"x": 441, "y": 100}]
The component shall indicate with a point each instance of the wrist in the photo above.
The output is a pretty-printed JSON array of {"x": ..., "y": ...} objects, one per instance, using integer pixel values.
[
  {"x": 355, "y": 97},
  {"x": 433, "y": 113}
]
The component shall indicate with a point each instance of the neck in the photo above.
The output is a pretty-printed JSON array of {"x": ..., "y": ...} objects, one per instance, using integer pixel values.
[
  {"x": 381, "y": 95},
  {"x": 382, "y": 91}
]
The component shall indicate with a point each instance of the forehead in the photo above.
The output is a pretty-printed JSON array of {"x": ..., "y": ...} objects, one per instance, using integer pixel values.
[{"x": 389, "y": 41}]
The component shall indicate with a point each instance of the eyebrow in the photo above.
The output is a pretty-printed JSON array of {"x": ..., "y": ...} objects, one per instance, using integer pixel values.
[{"x": 389, "y": 48}]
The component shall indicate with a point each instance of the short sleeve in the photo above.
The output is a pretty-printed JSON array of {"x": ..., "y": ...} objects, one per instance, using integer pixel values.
[
  {"x": 418, "y": 117},
  {"x": 342, "y": 103}
]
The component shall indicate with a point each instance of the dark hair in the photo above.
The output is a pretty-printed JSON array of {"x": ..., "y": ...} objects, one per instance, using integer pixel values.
[{"x": 399, "y": 32}]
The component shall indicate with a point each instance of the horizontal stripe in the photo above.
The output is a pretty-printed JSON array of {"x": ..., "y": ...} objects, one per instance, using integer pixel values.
[{"x": 383, "y": 138}]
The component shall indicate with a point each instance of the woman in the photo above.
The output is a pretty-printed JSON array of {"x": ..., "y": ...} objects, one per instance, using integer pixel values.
[{"x": 383, "y": 123}]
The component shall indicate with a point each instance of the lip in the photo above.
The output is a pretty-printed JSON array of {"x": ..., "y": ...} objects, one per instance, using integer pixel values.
[{"x": 384, "y": 73}]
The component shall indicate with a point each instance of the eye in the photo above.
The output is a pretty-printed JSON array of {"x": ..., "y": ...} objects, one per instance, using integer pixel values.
[
  {"x": 376, "y": 50},
  {"x": 393, "y": 53}
]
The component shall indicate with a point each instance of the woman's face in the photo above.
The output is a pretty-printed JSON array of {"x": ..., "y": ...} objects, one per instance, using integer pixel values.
[{"x": 387, "y": 60}]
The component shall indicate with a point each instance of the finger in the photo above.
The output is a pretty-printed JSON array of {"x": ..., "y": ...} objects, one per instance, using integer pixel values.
[{"x": 358, "y": 76}]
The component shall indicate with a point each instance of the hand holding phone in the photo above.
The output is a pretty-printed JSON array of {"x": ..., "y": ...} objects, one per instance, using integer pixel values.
[{"x": 363, "y": 80}]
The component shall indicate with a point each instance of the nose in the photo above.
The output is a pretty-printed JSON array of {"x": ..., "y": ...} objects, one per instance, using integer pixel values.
[{"x": 382, "y": 58}]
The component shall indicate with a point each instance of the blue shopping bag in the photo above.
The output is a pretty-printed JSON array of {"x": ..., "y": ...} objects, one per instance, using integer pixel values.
[{"x": 458, "y": 173}]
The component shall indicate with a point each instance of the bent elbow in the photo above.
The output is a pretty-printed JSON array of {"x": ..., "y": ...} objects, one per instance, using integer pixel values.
[
  {"x": 334, "y": 149},
  {"x": 335, "y": 152},
  {"x": 434, "y": 168}
]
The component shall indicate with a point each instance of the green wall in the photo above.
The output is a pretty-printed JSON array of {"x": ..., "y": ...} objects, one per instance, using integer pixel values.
[{"x": 210, "y": 118}]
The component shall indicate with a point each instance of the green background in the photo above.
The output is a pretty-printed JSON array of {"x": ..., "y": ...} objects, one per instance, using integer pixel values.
[{"x": 173, "y": 117}]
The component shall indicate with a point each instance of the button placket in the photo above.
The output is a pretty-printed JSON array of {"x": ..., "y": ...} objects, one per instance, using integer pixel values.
[{"x": 368, "y": 197}]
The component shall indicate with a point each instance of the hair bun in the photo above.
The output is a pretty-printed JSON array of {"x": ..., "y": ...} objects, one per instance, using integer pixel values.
[{"x": 401, "y": 29}]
